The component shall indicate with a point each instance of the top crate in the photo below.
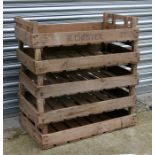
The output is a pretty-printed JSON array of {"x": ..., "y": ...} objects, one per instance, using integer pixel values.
[{"x": 113, "y": 28}]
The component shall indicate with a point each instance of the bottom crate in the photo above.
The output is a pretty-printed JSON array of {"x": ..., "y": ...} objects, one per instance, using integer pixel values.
[{"x": 78, "y": 128}]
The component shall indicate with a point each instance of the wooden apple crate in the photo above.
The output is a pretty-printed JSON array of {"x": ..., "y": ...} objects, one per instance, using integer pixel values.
[
  {"x": 113, "y": 28},
  {"x": 75, "y": 71},
  {"x": 73, "y": 83},
  {"x": 78, "y": 128}
]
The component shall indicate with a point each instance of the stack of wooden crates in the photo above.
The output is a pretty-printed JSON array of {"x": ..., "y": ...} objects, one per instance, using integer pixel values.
[{"x": 77, "y": 80}]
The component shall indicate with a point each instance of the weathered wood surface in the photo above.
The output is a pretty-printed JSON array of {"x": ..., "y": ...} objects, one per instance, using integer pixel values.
[
  {"x": 127, "y": 21},
  {"x": 38, "y": 35},
  {"x": 84, "y": 86},
  {"x": 83, "y": 37},
  {"x": 83, "y": 109},
  {"x": 24, "y": 36},
  {"x": 90, "y": 114},
  {"x": 86, "y": 62},
  {"x": 77, "y": 86},
  {"x": 86, "y": 129},
  {"x": 82, "y": 62},
  {"x": 26, "y": 60},
  {"x": 28, "y": 109},
  {"x": 31, "y": 129}
]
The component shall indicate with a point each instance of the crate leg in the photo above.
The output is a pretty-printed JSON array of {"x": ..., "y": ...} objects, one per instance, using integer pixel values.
[
  {"x": 20, "y": 45},
  {"x": 105, "y": 20},
  {"x": 40, "y": 82},
  {"x": 132, "y": 89},
  {"x": 21, "y": 86},
  {"x": 132, "y": 92},
  {"x": 134, "y": 46},
  {"x": 22, "y": 68}
]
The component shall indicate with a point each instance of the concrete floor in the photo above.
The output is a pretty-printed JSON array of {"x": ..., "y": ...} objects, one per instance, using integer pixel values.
[{"x": 134, "y": 140}]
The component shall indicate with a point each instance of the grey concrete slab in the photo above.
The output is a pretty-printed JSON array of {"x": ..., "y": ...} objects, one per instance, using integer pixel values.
[
  {"x": 145, "y": 98},
  {"x": 10, "y": 123}
]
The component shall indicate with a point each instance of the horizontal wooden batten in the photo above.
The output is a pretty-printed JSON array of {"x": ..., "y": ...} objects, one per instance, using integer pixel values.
[
  {"x": 83, "y": 37},
  {"x": 83, "y": 62},
  {"x": 88, "y": 130},
  {"x": 76, "y": 87},
  {"x": 27, "y": 25},
  {"x": 75, "y": 111},
  {"x": 68, "y": 27},
  {"x": 84, "y": 110},
  {"x": 24, "y": 36},
  {"x": 27, "y": 82},
  {"x": 31, "y": 129},
  {"x": 26, "y": 60},
  {"x": 60, "y": 137},
  {"x": 84, "y": 86},
  {"x": 27, "y": 107},
  {"x": 38, "y": 35}
]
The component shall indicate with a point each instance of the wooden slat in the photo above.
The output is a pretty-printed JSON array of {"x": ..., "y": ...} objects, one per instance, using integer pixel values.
[
  {"x": 86, "y": 109},
  {"x": 83, "y": 37},
  {"x": 25, "y": 24},
  {"x": 40, "y": 78},
  {"x": 132, "y": 89},
  {"x": 69, "y": 27},
  {"x": 77, "y": 86},
  {"x": 86, "y": 85},
  {"x": 32, "y": 130},
  {"x": 59, "y": 126},
  {"x": 72, "y": 123},
  {"x": 26, "y": 60},
  {"x": 20, "y": 45},
  {"x": 67, "y": 102},
  {"x": 23, "y": 35},
  {"x": 116, "y": 17},
  {"x": 82, "y": 121},
  {"x": 55, "y": 104},
  {"x": 27, "y": 82},
  {"x": 27, "y": 108},
  {"x": 87, "y": 130},
  {"x": 78, "y": 99},
  {"x": 85, "y": 62}
]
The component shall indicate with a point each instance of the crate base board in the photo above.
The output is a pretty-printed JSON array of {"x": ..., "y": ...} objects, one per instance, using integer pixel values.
[{"x": 74, "y": 133}]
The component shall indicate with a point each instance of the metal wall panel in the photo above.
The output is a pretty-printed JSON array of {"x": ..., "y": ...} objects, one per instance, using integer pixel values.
[{"x": 71, "y": 11}]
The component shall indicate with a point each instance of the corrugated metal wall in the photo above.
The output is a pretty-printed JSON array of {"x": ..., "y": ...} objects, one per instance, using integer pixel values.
[{"x": 71, "y": 11}]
